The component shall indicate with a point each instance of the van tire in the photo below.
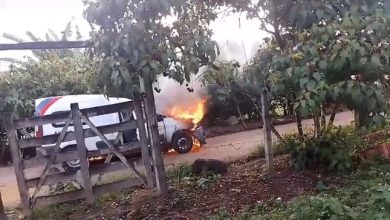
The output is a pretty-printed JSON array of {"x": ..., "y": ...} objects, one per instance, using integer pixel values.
[
  {"x": 182, "y": 142},
  {"x": 71, "y": 166}
]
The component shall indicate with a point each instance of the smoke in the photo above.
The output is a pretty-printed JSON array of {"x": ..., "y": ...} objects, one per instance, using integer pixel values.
[
  {"x": 173, "y": 94},
  {"x": 238, "y": 39},
  {"x": 235, "y": 51}
]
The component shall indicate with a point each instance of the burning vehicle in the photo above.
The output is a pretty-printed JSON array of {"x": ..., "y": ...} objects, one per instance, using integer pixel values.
[
  {"x": 180, "y": 130},
  {"x": 178, "y": 133}
]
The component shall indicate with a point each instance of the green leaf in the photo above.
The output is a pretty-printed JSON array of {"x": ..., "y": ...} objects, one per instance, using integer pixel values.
[
  {"x": 363, "y": 60},
  {"x": 311, "y": 85},
  {"x": 164, "y": 59},
  {"x": 378, "y": 120},
  {"x": 312, "y": 104},
  {"x": 356, "y": 95},
  {"x": 324, "y": 37},
  {"x": 303, "y": 81},
  {"x": 323, "y": 64},
  {"x": 339, "y": 63},
  {"x": 376, "y": 61},
  {"x": 155, "y": 67},
  {"x": 371, "y": 104},
  {"x": 317, "y": 76}
]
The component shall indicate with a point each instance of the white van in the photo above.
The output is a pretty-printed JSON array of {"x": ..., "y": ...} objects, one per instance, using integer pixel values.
[{"x": 173, "y": 133}]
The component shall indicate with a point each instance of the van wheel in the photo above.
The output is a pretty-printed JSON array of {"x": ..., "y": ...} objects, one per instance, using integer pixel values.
[
  {"x": 182, "y": 142},
  {"x": 71, "y": 165}
]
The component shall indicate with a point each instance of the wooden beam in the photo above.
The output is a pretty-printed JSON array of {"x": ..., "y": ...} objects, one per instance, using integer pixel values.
[
  {"x": 151, "y": 117},
  {"x": 146, "y": 157},
  {"x": 44, "y": 201},
  {"x": 132, "y": 149},
  {"x": 82, "y": 150},
  {"x": 112, "y": 148},
  {"x": 17, "y": 162},
  {"x": 52, "y": 179},
  {"x": 62, "y": 116},
  {"x": 2, "y": 212},
  {"x": 71, "y": 135},
  {"x": 50, "y": 162},
  {"x": 60, "y": 157},
  {"x": 43, "y": 45}
]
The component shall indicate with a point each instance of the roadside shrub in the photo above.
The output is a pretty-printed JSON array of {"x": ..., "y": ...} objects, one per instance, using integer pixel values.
[
  {"x": 333, "y": 150},
  {"x": 379, "y": 203},
  {"x": 322, "y": 208}
]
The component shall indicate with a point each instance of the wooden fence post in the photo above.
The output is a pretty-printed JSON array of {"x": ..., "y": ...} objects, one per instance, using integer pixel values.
[
  {"x": 2, "y": 212},
  {"x": 267, "y": 130},
  {"x": 146, "y": 158},
  {"x": 17, "y": 163},
  {"x": 82, "y": 151},
  {"x": 151, "y": 117}
]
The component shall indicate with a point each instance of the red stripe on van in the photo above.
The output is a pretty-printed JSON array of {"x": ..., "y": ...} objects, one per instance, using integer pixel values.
[{"x": 47, "y": 106}]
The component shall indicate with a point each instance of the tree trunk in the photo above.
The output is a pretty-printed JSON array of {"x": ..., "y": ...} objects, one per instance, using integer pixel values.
[
  {"x": 323, "y": 119},
  {"x": 332, "y": 116},
  {"x": 357, "y": 121},
  {"x": 317, "y": 126},
  {"x": 299, "y": 124},
  {"x": 267, "y": 129},
  {"x": 290, "y": 106},
  {"x": 239, "y": 113},
  {"x": 276, "y": 133}
]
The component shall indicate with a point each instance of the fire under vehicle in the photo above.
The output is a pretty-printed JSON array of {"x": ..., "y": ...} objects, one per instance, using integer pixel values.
[{"x": 178, "y": 135}]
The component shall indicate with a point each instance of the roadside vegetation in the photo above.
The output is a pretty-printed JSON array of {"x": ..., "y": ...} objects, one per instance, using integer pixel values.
[
  {"x": 364, "y": 195},
  {"x": 320, "y": 57},
  {"x": 314, "y": 191}
]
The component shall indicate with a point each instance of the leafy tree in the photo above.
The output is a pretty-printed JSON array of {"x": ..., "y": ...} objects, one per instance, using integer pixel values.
[
  {"x": 342, "y": 61},
  {"x": 229, "y": 93},
  {"x": 53, "y": 76},
  {"x": 135, "y": 38},
  {"x": 46, "y": 73},
  {"x": 282, "y": 19}
]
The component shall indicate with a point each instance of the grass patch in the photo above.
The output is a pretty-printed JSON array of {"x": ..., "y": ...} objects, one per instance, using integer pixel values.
[
  {"x": 64, "y": 210},
  {"x": 182, "y": 176},
  {"x": 365, "y": 196},
  {"x": 259, "y": 152}
]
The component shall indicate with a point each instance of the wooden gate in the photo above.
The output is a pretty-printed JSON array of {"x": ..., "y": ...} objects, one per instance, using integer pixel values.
[{"x": 31, "y": 183}]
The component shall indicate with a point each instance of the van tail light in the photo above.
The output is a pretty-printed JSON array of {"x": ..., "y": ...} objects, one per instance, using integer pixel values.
[{"x": 39, "y": 132}]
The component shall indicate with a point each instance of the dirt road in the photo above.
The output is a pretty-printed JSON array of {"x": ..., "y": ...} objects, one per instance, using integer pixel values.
[{"x": 225, "y": 147}]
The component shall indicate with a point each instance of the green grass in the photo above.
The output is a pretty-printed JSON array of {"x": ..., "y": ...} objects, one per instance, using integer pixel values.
[
  {"x": 277, "y": 149},
  {"x": 63, "y": 211},
  {"x": 366, "y": 195}
]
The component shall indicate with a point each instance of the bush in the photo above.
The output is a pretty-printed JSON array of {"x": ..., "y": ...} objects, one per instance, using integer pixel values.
[
  {"x": 322, "y": 208},
  {"x": 333, "y": 150}
]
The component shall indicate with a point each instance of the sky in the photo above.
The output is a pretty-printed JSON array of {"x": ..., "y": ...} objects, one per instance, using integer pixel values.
[
  {"x": 237, "y": 37},
  {"x": 37, "y": 16}
]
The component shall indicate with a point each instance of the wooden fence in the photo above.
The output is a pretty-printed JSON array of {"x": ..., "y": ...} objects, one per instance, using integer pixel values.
[
  {"x": 30, "y": 185},
  {"x": 2, "y": 212}
]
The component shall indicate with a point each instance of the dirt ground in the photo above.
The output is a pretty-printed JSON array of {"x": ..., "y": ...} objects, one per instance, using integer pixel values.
[
  {"x": 228, "y": 147},
  {"x": 241, "y": 188}
]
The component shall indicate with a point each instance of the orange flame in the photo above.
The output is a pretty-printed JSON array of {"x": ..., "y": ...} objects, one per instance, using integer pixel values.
[{"x": 194, "y": 113}]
